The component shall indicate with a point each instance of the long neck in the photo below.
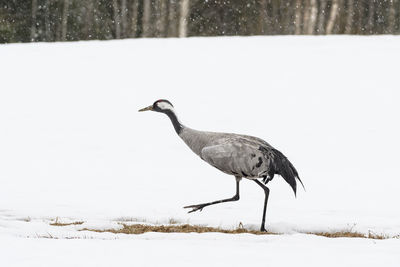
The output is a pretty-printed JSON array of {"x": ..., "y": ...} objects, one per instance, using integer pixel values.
[{"x": 174, "y": 119}]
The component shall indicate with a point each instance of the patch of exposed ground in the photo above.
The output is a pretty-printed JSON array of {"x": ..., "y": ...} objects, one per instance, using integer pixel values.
[
  {"x": 56, "y": 223},
  {"x": 184, "y": 228},
  {"x": 174, "y": 226},
  {"x": 187, "y": 228},
  {"x": 350, "y": 234}
]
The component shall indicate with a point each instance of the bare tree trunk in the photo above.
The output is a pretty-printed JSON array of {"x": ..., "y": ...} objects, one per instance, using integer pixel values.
[
  {"x": 306, "y": 15},
  {"x": 117, "y": 21},
  {"x": 392, "y": 16},
  {"x": 88, "y": 19},
  {"x": 33, "y": 26},
  {"x": 263, "y": 14},
  {"x": 287, "y": 16},
  {"x": 350, "y": 16},
  {"x": 275, "y": 17},
  {"x": 135, "y": 18},
  {"x": 64, "y": 22},
  {"x": 146, "y": 17},
  {"x": 172, "y": 19},
  {"x": 298, "y": 17},
  {"x": 164, "y": 18},
  {"x": 158, "y": 17},
  {"x": 167, "y": 21},
  {"x": 312, "y": 16},
  {"x": 359, "y": 16},
  {"x": 268, "y": 17},
  {"x": 124, "y": 21},
  {"x": 47, "y": 21},
  {"x": 321, "y": 17},
  {"x": 183, "y": 18},
  {"x": 381, "y": 12},
  {"x": 332, "y": 16},
  {"x": 371, "y": 12}
]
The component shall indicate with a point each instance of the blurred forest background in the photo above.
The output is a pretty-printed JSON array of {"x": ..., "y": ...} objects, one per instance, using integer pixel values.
[{"x": 70, "y": 20}]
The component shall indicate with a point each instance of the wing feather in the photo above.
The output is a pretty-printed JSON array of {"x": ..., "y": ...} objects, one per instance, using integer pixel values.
[{"x": 236, "y": 158}]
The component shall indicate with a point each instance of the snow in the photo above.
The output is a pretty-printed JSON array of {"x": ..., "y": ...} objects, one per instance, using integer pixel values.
[
  {"x": 202, "y": 250},
  {"x": 74, "y": 148}
]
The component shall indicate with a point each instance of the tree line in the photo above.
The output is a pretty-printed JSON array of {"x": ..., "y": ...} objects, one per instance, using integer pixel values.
[{"x": 69, "y": 20}]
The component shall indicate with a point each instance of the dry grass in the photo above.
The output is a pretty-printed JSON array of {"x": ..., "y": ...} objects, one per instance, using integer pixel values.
[
  {"x": 338, "y": 234},
  {"x": 50, "y": 236},
  {"x": 184, "y": 228},
  {"x": 377, "y": 236},
  {"x": 144, "y": 220},
  {"x": 173, "y": 221},
  {"x": 174, "y": 226},
  {"x": 56, "y": 223},
  {"x": 25, "y": 219},
  {"x": 187, "y": 228},
  {"x": 350, "y": 234},
  {"x": 130, "y": 219}
]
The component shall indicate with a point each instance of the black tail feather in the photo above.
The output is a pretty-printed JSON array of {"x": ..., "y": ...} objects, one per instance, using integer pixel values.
[{"x": 285, "y": 168}]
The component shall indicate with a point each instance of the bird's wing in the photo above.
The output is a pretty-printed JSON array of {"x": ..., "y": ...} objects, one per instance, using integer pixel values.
[
  {"x": 236, "y": 157},
  {"x": 250, "y": 157}
]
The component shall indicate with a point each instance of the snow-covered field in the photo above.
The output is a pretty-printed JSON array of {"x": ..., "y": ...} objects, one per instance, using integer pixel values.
[{"x": 74, "y": 148}]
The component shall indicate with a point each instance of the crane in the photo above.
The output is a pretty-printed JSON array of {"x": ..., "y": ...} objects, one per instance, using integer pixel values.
[{"x": 242, "y": 156}]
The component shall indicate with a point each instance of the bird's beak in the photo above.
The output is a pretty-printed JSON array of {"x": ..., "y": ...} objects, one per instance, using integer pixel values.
[{"x": 145, "y": 109}]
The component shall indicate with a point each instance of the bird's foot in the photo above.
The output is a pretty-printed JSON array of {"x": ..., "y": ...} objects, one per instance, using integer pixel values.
[
  {"x": 198, "y": 207},
  {"x": 263, "y": 229}
]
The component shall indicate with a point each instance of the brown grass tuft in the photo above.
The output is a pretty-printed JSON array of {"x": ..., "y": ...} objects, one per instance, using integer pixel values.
[
  {"x": 56, "y": 223},
  {"x": 175, "y": 227},
  {"x": 173, "y": 221},
  {"x": 376, "y": 236},
  {"x": 185, "y": 228},
  {"x": 349, "y": 234},
  {"x": 26, "y": 219},
  {"x": 339, "y": 234}
]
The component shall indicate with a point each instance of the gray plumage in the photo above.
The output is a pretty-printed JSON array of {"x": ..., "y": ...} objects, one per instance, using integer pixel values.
[
  {"x": 240, "y": 155},
  {"x": 234, "y": 154}
]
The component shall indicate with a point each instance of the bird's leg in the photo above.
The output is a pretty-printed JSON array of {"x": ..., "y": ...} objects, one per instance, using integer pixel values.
[
  {"x": 201, "y": 206},
  {"x": 266, "y": 191},
  {"x": 266, "y": 179}
]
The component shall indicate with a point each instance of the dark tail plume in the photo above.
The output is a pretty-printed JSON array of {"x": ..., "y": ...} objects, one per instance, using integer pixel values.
[{"x": 285, "y": 168}]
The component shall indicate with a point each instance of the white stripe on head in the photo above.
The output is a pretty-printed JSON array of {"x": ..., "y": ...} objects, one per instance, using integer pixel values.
[{"x": 165, "y": 106}]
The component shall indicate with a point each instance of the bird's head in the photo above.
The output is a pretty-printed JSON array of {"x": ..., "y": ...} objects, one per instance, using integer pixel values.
[
  {"x": 162, "y": 105},
  {"x": 167, "y": 108}
]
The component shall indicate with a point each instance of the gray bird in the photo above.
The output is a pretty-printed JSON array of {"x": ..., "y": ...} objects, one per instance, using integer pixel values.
[{"x": 238, "y": 155}]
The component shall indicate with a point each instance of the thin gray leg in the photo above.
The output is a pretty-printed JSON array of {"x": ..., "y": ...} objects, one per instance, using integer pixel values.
[
  {"x": 266, "y": 191},
  {"x": 201, "y": 206}
]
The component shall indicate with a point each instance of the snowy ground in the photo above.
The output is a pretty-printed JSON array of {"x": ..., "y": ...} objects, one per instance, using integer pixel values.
[{"x": 74, "y": 147}]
